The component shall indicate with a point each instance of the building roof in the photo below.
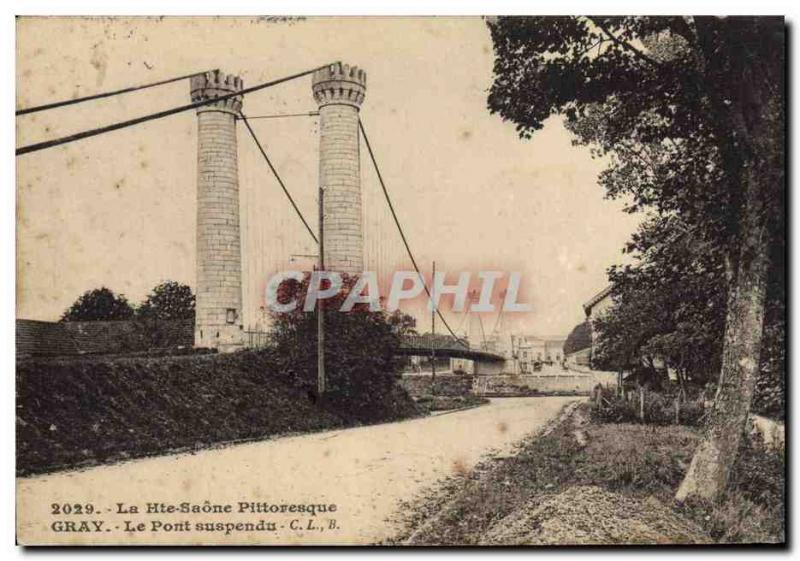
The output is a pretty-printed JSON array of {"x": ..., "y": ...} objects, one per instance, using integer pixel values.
[
  {"x": 46, "y": 338},
  {"x": 42, "y": 338},
  {"x": 546, "y": 338},
  {"x": 592, "y": 302}
]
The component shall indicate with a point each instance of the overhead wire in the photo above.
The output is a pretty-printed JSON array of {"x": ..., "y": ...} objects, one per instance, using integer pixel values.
[
  {"x": 284, "y": 115},
  {"x": 278, "y": 177},
  {"x": 400, "y": 229},
  {"x": 160, "y": 114},
  {"x": 194, "y": 105},
  {"x": 73, "y": 101}
]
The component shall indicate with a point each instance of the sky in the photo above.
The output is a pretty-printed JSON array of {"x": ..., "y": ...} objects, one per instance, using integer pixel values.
[{"x": 118, "y": 210}]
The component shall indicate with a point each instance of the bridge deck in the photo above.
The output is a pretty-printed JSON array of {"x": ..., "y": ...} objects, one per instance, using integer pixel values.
[{"x": 421, "y": 345}]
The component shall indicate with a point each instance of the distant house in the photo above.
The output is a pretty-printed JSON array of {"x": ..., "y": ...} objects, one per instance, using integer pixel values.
[
  {"x": 581, "y": 357},
  {"x": 43, "y": 338},
  {"x": 48, "y": 339},
  {"x": 597, "y": 305},
  {"x": 583, "y": 338},
  {"x": 578, "y": 346},
  {"x": 531, "y": 349}
]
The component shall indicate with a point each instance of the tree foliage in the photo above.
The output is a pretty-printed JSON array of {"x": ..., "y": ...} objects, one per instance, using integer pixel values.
[
  {"x": 361, "y": 359},
  {"x": 689, "y": 112},
  {"x": 579, "y": 338},
  {"x": 169, "y": 300},
  {"x": 647, "y": 93},
  {"x": 100, "y": 304},
  {"x": 670, "y": 305}
]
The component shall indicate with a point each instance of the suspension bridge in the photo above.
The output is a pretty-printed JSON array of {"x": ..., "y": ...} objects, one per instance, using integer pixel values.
[{"x": 241, "y": 238}]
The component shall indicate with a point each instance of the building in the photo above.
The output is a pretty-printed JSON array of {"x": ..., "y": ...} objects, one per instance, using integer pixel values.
[
  {"x": 532, "y": 349},
  {"x": 598, "y": 304},
  {"x": 594, "y": 308},
  {"x": 582, "y": 357},
  {"x": 35, "y": 339}
]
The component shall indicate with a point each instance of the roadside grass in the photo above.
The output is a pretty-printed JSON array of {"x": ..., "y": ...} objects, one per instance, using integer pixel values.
[
  {"x": 433, "y": 403},
  {"x": 753, "y": 509},
  {"x": 642, "y": 463}
]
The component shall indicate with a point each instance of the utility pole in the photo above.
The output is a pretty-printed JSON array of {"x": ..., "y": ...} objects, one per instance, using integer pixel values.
[
  {"x": 320, "y": 312},
  {"x": 433, "y": 330}
]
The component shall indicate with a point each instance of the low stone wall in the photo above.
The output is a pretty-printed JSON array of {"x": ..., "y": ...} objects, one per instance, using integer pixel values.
[
  {"x": 603, "y": 377},
  {"x": 446, "y": 384},
  {"x": 527, "y": 384},
  {"x": 554, "y": 381}
]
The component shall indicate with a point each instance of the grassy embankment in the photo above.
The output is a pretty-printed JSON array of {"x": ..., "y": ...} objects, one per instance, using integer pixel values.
[
  {"x": 85, "y": 411},
  {"x": 600, "y": 483}
]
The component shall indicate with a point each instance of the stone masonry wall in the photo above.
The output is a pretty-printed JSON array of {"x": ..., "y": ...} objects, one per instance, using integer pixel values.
[
  {"x": 451, "y": 385},
  {"x": 340, "y": 177},
  {"x": 339, "y": 92},
  {"x": 219, "y": 268},
  {"x": 578, "y": 384}
]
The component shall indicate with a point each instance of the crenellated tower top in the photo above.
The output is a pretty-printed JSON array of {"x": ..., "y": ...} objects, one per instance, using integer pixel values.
[
  {"x": 214, "y": 84},
  {"x": 339, "y": 84}
]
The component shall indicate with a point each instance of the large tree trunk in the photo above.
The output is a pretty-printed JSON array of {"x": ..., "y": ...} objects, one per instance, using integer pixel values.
[
  {"x": 757, "y": 130},
  {"x": 761, "y": 175},
  {"x": 708, "y": 473}
]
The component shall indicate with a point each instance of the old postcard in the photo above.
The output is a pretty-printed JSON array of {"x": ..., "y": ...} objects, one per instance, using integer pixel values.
[{"x": 400, "y": 280}]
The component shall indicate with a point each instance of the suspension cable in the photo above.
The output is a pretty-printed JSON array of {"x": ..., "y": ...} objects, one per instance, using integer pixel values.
[
  {"x": 283, "y": 115},
  {"x": 278, "y": 177},
  {"x": 123, "y": 124},
  {"x": 102, "y": 95},
  {"x": 400, "y": 229}
]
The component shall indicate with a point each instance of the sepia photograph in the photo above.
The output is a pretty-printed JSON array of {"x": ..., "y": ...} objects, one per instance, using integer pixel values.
[{"x": 460, "y": 281}]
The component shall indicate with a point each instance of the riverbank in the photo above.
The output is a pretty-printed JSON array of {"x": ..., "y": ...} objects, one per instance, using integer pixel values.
[{"x": 580, "y": 483}]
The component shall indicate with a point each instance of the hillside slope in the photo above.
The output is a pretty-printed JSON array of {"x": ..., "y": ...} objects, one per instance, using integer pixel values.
[{"x": 86, "y": 411}]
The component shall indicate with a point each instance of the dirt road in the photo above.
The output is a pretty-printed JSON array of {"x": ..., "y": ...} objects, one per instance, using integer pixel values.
[{"x": 363, "y": 471}]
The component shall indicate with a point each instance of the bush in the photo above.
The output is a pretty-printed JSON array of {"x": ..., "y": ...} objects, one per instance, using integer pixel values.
[
  {"x": 430, "y": 403},
  {"x": 753, "y": 507},
  {"x": 579, "y": 338},
  {"x": 659, "y": 409},
  {"x": 361, "y": 354},
  {"x": 770, "y": 391},
  {"x": 100, "y": 304}
]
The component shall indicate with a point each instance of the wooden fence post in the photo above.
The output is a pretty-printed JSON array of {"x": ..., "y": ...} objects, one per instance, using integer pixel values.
[{"x": 641, "y": 403}]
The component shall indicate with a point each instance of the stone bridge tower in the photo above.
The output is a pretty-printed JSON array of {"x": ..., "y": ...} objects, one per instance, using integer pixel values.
[
  {"x": 339, "y": 91},
  {"x": 218, "y": 322}
]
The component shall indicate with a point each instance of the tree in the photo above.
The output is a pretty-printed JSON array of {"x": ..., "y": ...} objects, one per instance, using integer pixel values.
[
  {"x": 168, "y": 301},
  {"x": 669, "y": 305},
  {"x": 579, "y": 338},
  {"x": 100, "y": 304},
  {"x": 361, "y": 349},
  {"x": 699, "y": 103}
]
